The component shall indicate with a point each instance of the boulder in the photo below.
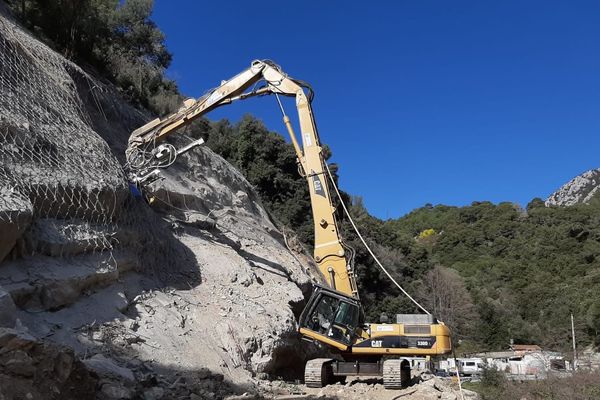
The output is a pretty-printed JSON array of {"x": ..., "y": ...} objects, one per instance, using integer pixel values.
[
  {"x": 60, "y": 238},
  {"x": 32, "y": 369},
  {"x": 20, "y": 363},
  {"x": 105, "y": 367},
  {"x": 114, "y": 391},
  {"x": 8, "y": 310},
  {"x": 155, "y": 393},
  {"x": 16, "y": 213},
  {"x": 12, "y": 339}
]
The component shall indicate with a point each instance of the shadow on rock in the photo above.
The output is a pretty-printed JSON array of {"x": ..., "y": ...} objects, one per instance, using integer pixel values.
[
  {"x": 33, "y": 370},
  {"x": 161, "y": 254},
  {"x": 153, "y": 381}
]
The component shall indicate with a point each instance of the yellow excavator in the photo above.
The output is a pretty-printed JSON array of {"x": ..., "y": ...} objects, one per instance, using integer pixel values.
[{"x": 333, "y": 316}]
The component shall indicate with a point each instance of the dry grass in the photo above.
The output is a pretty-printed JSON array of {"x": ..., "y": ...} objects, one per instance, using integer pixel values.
[{"x": 580, "y": 386}]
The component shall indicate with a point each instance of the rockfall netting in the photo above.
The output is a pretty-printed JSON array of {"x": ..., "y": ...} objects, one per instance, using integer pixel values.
[
  {"x": 55, "y": 171},
  {"x": 63, "y": 191}
]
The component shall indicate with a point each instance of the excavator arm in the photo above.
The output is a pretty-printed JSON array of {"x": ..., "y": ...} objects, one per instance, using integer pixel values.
[{"x": 262, "y": 78}]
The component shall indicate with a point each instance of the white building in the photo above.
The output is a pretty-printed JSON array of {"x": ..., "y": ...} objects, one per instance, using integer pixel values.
[
  {"x": 419, "y": 363},
  {"x": 466, "y": 366},
  {"x": 530, "y": 364},
  {"x": 521, "y": 362}
]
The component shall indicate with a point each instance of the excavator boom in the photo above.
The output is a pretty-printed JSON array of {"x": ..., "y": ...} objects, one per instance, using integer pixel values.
[{"x": 329, "y": 252}]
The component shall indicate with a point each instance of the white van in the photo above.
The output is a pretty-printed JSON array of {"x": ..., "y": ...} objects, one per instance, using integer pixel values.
[{"x": 470, "y": 366}]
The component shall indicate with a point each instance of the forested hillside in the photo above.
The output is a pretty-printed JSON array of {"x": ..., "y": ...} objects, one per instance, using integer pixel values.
[
  {"x": 526, "y": 270},
  {"x": 492, "y": 272}
]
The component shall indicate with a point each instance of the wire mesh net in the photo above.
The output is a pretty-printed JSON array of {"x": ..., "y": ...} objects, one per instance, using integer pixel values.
[
  {"x": 54, "y": 169},
  {"x": 63, "y": 192}
]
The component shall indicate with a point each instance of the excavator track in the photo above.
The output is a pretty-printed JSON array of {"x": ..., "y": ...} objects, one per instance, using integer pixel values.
[
  {"x": 394, "y": 375},
  {"x": 318, "y": 372}
]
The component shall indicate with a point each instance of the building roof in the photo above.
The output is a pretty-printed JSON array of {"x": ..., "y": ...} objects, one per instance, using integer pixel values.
[
  {"x": 496, "y": 354},
  {"x": 526, "y": 347}
]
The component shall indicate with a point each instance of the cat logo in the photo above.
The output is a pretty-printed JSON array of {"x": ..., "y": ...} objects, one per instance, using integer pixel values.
[
  {"x": 319, "y": 191},
  {"x": 376, "y": 343},
  {"x": 318, "y": 187}
]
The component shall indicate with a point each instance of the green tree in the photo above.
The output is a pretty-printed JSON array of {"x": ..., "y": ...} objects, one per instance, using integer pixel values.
[
  {"x": 137, "y": 57},
  {"x": 116, "y": 38},
  {"x": 593, "y": 318},
  {"x": 75, "y": 27}
]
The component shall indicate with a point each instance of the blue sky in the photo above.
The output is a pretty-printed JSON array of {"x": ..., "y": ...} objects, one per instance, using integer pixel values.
[{"x": 421, "y": 101}]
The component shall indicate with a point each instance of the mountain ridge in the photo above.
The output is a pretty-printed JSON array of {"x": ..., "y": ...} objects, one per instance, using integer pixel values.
[{"x": 580, "y": 189}]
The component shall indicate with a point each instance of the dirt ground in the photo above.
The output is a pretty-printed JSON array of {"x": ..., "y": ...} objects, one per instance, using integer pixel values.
[{"x": 367, "y": 388}]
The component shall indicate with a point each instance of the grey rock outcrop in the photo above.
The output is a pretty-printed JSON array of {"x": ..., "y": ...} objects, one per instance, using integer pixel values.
[
  {"x": 578, "y": 190},
  {"x": 201, "y": 281}
]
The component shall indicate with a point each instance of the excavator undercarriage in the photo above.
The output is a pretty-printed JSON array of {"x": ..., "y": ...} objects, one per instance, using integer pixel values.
[{"x": 320, "y": 372}]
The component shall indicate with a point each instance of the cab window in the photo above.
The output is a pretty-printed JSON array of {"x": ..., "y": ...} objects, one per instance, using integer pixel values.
[
  {"x": 347, "y": 315},
  {"x": 320, "y": 320},
  {"x": 334, "y": 319}
]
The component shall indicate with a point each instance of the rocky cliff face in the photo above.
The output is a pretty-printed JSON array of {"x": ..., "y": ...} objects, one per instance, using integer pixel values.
[
  {"x": 192, "y": 296},
  {"x": 580, "y": 189}
]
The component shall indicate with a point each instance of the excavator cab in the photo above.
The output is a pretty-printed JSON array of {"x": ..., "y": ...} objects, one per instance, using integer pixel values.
[{"x": 331, "y": 317}]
